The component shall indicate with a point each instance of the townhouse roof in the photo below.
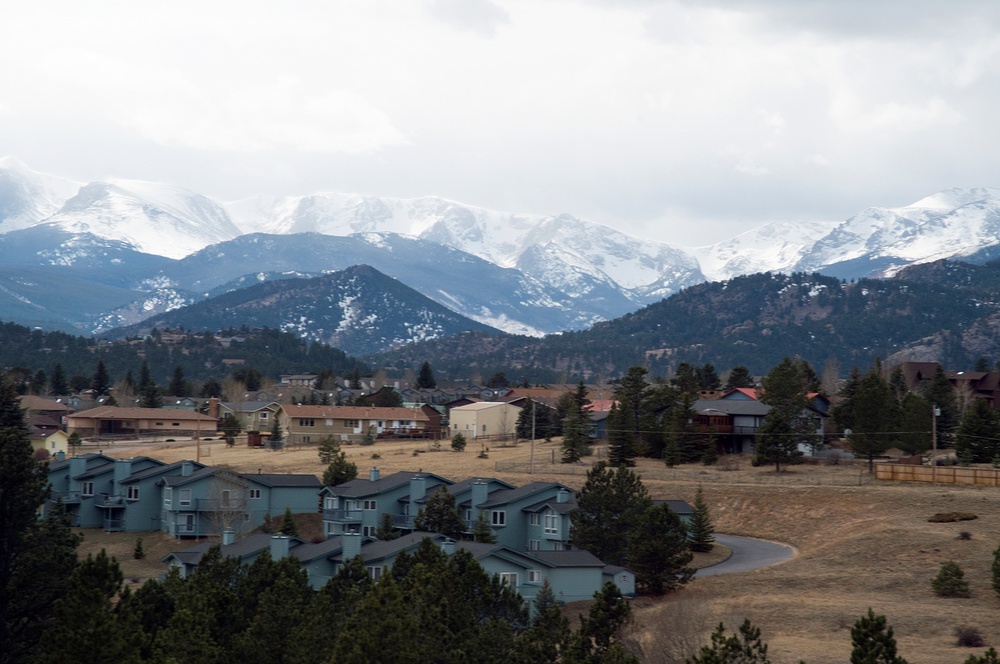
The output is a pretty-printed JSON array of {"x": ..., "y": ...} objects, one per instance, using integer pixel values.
[
  {"x": 506, "y": 496},
  {"x": 239, "y": 549},
  {"x": 285, "y": 480},
  {"x": 679, "y": 506},
  {"x": 89, "y": 456},
  {"x": 366, "y": 487},
  {"x": 568, "y": 558},
  {"x": 117, "y": 413},
  {"x": 248, "y": 406},
  {"x": 197, "y": 474},
  {"x": 355, "y": 412},
  {"x": 95, "y": 471},
  {"x": 161, "y": 469},
  {"x": 380, "y": 549}
]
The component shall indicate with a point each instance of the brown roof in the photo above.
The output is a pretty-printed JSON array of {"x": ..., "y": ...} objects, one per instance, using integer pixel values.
[
  {"x": 31, "y": 402},
  {"x": 117, "y": 413},
  {"x": 355, "y": 412}
]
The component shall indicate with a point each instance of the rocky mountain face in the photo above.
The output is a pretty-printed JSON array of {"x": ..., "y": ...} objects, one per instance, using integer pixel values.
[{"x": 148, "y": 248}]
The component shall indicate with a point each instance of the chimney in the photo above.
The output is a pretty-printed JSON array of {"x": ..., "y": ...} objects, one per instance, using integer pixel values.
[
  {"x": 186, "y": 468},
  {"x": 123, "y": 468},
  {"x": 418, "y": 488},
  {"x": 77, "y": 466},
  {"x": 562, "y": 496},
  {"x": 279, "y": 546},
  {"x": 60, "y": 455},
  {"x": 228, "y": 537},
  {"x": 448, "y": 546},
  {"x": 373, "y": 474},
  {"x": 480, "y": 492},
  {"x": 350, "y": 545},
  {"x": 213, "y": 408}
]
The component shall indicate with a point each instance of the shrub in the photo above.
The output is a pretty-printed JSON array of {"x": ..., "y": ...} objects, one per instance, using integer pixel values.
[
  {"x": 965, "y": 535},
  {"x": 138, "y": 552},
  {"x": 968, "y": 637},
  {"x": 458, "y": 442},
  {"x": 950, "y": 581},
  {"x": 376, "y": 455},
  {"x": 951, "y": 517}
]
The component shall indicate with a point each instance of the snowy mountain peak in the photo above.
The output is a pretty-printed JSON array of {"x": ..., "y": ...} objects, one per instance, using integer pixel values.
[{"x": 956, "y": 197}]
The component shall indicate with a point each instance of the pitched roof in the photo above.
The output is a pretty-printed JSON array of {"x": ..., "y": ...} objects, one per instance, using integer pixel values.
[
  {"x": 568, "y": 558},
  {"x": 365, "y": 487},
  {"x": 161, "y": 469},
  {"x": 116, "y": 413},
  {"x": 355, "y": 412},
  {"x": 679, "y": 506},
  {"x": 482, "y": 405},
  {"x": 285, "y": 480},
  {"x": 506, "y": 496},
  {"x": 32, "y": 402},
  {"x": 241, "y": 548}
]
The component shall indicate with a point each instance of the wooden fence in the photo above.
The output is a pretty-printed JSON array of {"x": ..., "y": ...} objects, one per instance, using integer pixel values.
[{"x": 942, "y": 475}]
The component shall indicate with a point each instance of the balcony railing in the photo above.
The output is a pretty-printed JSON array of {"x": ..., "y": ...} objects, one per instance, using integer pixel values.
[
  {"x": 104, "y": 500},
  {"x": 342, "y": 515},
  {"x": 192, "y": 530},
  {"x": 402, "y": 521}
]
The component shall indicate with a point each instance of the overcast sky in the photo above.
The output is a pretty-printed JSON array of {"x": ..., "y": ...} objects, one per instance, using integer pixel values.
[{"x": 683, "y": 121}]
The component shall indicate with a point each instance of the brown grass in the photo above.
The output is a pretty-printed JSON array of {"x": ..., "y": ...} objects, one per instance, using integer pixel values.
[{"x": 861, "y": 544}]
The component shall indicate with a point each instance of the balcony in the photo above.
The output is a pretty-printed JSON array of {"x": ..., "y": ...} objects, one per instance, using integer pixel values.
[
  {"x": 110, "y": 502},
  {"x": 192, "y": 530},
  {"x": 404, "y": 521},
  {"x": 114, "y": 525},
  {"x": 342, "y": 516},
  {"x": 67, "y": 497}
]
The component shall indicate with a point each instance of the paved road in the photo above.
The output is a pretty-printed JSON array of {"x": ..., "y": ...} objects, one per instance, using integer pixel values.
[{"x": 748, "y": 554}]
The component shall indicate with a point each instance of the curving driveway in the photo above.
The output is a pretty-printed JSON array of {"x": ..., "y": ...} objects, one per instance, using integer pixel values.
[{"x": 748, "y": 554}]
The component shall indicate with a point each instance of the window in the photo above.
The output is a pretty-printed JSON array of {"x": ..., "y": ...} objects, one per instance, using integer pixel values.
[
  {"x": 175, "y": 424},
  {"x": 159, "y": 424},
  {"x": 551, "y": 524},
  {"x": 254, "y": 494},
  {"x": 351, "y": 424},
  {"x": 534, "y": 576},
  {"x": 263, "y": 415},
  {"x": 168, "y": 495},
  {"x": 534, "y": 519},
  {"x": 374, "y": 571},
  {"x": 370, "y": 504},
  {"x": 509, "y": 578},
  {"x": 329, "y": 528},
  {"x": 368, "y": 531},
  {"x": 468, "y": 515},
  {"x": 185, "y": 498},
  {"x": 330, "y": 503},
  {"x": 498, "y": 518},
  {"x": 132, "y": 493},
  {"x": 227, "y": 498},
  {"x": 307, "y": 422},
  {"x": 306, "y": 439},
  {"x": 533, "y": 545},
  {"x": 456, "y": 426},
  {"x": 87, "y": 489}
]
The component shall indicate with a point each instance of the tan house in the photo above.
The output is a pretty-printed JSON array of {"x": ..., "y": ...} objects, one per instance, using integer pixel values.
[
  {"x": 311, "y": 424},
  {"x": 52, "y": 441},
  {"x": 252, "y": 415},
  {"x": 489, "y": 419},
  {"x": 115, "y": 421}
]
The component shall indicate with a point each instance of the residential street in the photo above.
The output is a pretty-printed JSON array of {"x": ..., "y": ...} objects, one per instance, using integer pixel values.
[{"x": 748, "y": 554}]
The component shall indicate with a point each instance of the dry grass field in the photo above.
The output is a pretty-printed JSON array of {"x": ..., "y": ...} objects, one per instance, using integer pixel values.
[{"x": 860, "y": 544}]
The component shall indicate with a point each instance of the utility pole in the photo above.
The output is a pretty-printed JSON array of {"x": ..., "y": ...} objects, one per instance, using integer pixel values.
[{"x": 532, "y": 465}]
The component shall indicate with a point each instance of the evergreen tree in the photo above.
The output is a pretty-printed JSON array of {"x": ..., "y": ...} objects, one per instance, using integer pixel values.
[
  {"x": 340, "y": 470},
  {"x": 425, "y": 379},
  {"x": 288, "y": 525},
  {"x": 940, "y": 393},
  {"x": 978, "y": 437},
  {"x": 875, "y": 416},
  {"x": 37, "y": 556},
  {"x": 276, "y": 440},
  {"x": 328, "y": 450},
  {"x": 744, "y": 647},
  {"x": 988, "y": 657},
  {"x": 151, "y": 397},
  {"x": 101, "y": 382},
  {"x": 498, "y": 381},
  {"x": 178, "y": 385},
  {"x": 701, "y": 530},
  {"x": 145, "y": 378},
  {"x": 950, "y": 581},
  {"x": 230, "y": 429},
  {"x": 630, "y": 397},
  {"x": 739, "y": 376},
  {"x": 440, "y": 515},
  {"x": 708, "y": 379},
  {"x": 658, "y": 550},
  {"x": 873, "y": 641},
  {"x": 914, "y": 424},
  {"x": 38, "y": 381},
  {"x": 599, "y": 636},
  {"x": 211, "y": 388},
  {"x": 458, "y": 442},
  {"x": 282, "y": 606},
  {"x": 549, "y": 633},
  {"x": 481, "y": 531},
  {"x": 610, "y": 504},
  {"x": 788, "y": 423},
  {"x": 58, "y": 385},
  {"x": 621, "y": 440},
  {"x": 386, "y": 529},
  {"x": 85, "y": 628},
  {"x": 576, "y": 438},
  {"x": 995, "y": 571}
]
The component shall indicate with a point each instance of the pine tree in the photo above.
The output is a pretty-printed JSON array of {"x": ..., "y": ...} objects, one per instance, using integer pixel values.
[
  {"x": 37, "y": 556},
  {"x": 549, "y": 633},
  {"x": 873, "y": 641},
  {"x": 940, "y": 393},
  {"x": 386, "y": 529},
  {"x": 576, "y": 438},
  {"x": 950, "y": 581},
  {"x": 178, "y": 386},
  {"x": 609, "y": 506},
  {"x": 621, "y": 443},
  {"x": 86, "y": 629},
  {"x": 58, "y": 385},
  {"x": 230, "y": 429},
  {"x": 658, "y": 550},
  {"x": 915, "y": 424},
  {"x": 739, "y": 376},
  {"x": 701, "y": 531},
  {"x": 440, "y": 515},
  {"x": 744, "y": 647},
  {"x": 425, "y": 379},
  {"x": 787, "y": 424},
  {"x": 481, "y": 531},
  {"x": 288, "y": 525},
  {"x": 145, "y": 378},
  {"x": 211, "y": 388},
  {"x": 978, "y": 437},
  {"x": 328, "y": 450},
  {"x": 995, "y": 571},
  {"x": 875, "y": 416},
  {"x": 151, "y": 397},
  {"x": 989, "y": 657},
  {"x": 458, "y": 442},
  {"x": 340, "y": 470},
  {"x": 599, "y": 636},
  {"x": 101, "y": 383}
]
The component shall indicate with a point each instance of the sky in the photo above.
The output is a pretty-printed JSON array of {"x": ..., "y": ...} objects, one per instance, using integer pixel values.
[{"x": 679, "y": 121}]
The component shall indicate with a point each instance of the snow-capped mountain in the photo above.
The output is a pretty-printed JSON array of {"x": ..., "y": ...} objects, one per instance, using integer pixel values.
[{"x": 552, "y": 273}]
